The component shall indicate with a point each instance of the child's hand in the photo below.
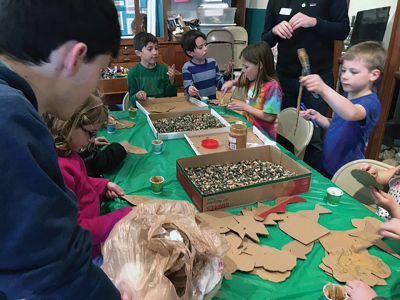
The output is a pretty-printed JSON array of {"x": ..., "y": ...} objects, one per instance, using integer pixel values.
[
  {"x": 171, "y": 73},
  {"x": 114, "y": 191},
  {"x": 228, "y": 69},
  {"x": 238, "y": 105},
  {"x": 391, "y": 229},
  {"x": 313, "y": 83},
  {"x": 310, "y": 114},
  {"x": 384, "y": 200},
  {"x": 193, "y": 91},
  {"x": 370, "y": 169},
  {"x": 100, "y": 141},
  {"x": 112, "y": 118},
  {"x": 227, "y": 86},
  {"x": 141, "y": 95},
  {"x": 358, "y": 290}
]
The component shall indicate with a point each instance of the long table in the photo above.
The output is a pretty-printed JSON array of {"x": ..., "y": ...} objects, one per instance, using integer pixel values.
[{"x": 307, "y": 279}]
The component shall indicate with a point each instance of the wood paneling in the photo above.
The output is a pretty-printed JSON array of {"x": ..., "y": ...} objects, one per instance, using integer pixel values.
[{"x": 388, "y": 87}]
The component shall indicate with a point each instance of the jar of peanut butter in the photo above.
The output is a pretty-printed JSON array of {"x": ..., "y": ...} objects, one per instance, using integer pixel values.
[{"x": 237, "y": 136}]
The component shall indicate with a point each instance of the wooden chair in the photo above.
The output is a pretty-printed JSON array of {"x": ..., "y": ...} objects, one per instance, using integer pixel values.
[
  {"x": 286, "y": 128},
  {"x": 345, "y": 180}
]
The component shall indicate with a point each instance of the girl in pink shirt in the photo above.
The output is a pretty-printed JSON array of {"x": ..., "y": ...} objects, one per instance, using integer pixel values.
[{"x": 70, "y": 137}]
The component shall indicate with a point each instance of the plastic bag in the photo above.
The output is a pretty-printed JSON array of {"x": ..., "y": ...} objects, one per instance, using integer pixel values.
[{"x": 160, "y": 250}]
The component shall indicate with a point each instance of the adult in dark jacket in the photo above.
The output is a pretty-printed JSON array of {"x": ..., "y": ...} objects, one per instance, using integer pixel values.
[
  {"x": 313, "y": 25},
  {"x": 52, "y": 54}
]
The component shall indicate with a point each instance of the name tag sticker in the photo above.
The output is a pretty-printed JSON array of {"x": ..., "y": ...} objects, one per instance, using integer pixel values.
[{"x": 285, "y": 11}]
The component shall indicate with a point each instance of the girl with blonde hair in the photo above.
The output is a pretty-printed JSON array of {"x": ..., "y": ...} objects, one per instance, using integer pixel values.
[{"x": 70, "y": 137}]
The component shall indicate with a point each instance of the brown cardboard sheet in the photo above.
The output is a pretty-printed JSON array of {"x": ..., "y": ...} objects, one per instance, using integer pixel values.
[
  {"x": 170, "y": 104},
  {"x": 302, "y": 229}
]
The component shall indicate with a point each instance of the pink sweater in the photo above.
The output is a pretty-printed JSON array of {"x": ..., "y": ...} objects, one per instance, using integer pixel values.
[{"x": 90, "y": 191}]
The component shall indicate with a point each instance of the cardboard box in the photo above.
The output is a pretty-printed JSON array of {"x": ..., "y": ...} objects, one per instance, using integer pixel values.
[
  {"x": 180, "y": 134},
  {"x": 170, "y": 104},
  {"x": 255, "y": 138},
  {"x": 241, "y": 196}
]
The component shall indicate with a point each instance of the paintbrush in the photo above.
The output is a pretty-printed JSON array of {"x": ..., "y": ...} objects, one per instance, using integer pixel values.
[{"x": 305, "y": 64}]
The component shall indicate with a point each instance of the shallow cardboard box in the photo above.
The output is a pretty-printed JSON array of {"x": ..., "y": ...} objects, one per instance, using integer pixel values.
[
  {"x": 170, "y": 104},
  {"x": 179, "y": 135},
  {"x": 241, "y": 196},
  {"x": 255, "y": 138}
]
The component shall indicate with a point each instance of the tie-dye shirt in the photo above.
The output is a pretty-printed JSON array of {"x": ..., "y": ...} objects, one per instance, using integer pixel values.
[{"x": 269, "y": 101}]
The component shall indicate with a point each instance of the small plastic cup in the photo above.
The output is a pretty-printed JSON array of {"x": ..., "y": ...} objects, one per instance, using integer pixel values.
[
  {"x": 132, "y": 112},
  {"x": 157, "y": 184},
  {"x": 336, "y": 287},
  {"x": 333, "y": 196},
  {"x": 158, "y": 146},
  {"x": 111, "y": 127}
]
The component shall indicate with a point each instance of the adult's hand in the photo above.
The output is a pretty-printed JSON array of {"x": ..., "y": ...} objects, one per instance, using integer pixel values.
[
  {"x": 284, "y": 30},
  {"x": 301, "y": 20}
]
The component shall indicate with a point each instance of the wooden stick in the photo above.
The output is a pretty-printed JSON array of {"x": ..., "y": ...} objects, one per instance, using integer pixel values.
[{"x": 298, "y": 107}]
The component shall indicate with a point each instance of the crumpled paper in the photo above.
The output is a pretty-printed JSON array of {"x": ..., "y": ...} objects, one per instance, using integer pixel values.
[{"x": 159, "y": 250}]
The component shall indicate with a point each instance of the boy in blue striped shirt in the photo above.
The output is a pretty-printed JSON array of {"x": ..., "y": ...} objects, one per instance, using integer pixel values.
[{"x": 201, "y": 75}]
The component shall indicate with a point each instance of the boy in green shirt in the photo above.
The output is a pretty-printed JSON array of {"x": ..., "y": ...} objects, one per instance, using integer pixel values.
[{"x": 149, "y": 78}]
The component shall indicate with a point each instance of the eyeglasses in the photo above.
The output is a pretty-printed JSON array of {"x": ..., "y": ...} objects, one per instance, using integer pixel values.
[{"x": 90, "y": 133}]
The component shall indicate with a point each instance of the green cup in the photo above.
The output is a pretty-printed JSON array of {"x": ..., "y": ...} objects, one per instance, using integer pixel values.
[
  {"x": 132, "y": 112},
  {"x": 157, "y": 184},
  {"x": 333, "y": 195}
]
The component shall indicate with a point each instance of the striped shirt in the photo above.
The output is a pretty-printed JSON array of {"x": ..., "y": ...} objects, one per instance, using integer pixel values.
[{"x": 205, "y": 77}]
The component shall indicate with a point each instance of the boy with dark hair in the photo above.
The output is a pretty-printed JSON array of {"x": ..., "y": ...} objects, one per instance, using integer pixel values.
[
  {"x": 356, "y": 113},
  {"x": 51, "y": 63},
  {"x": 201, "y": 75},
  {"x": 149, "y": 78}
]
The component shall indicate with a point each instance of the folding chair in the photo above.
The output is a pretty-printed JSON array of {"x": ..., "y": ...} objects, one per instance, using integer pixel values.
[
  {"x": 345, "y": 180},
  {"x": 286, "y": 128},
  {"x": 220, "y": 46}
]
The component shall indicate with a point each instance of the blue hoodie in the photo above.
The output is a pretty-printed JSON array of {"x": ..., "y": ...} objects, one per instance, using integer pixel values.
[{"x": 44, "y": 253}]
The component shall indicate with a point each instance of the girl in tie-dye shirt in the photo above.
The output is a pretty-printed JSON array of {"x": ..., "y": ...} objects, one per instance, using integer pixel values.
[{"x": 264, "y": 93}]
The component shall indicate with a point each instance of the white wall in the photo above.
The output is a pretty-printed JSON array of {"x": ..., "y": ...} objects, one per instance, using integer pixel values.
[
  {"x": 260, "y": 4},
  {"x": 357, "y": 5}
]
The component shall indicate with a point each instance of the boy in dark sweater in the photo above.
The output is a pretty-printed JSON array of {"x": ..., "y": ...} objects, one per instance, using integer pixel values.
[{"x": 52, "y": 54}]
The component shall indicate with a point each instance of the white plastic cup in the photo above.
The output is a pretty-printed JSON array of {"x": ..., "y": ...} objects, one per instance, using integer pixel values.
[{"x": 333, "y": 196}]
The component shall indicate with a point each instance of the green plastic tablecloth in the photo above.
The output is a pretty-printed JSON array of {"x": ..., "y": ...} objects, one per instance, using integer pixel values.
[{"x": 307, "y": 279}]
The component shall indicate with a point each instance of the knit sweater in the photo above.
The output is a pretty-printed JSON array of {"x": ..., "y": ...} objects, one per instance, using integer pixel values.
[
  {"x": 155, "y": 82},
  {"x": 205, "y": 77}
]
